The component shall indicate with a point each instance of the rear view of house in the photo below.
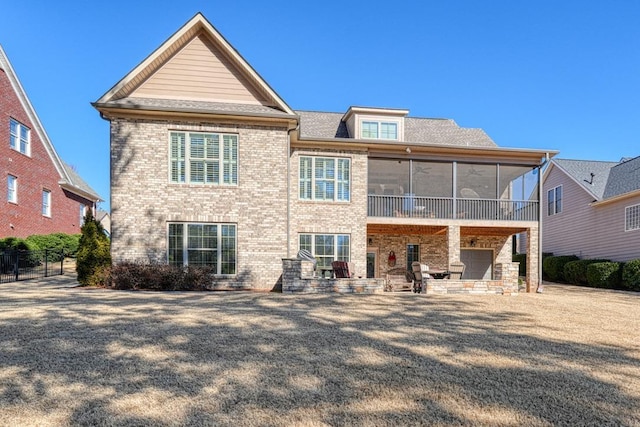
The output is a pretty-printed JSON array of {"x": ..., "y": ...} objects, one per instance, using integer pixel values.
[
  {"x": 40, "y": 194},
  {"x": 210, "y": 166},
  {"x": 592, "y": 209}
]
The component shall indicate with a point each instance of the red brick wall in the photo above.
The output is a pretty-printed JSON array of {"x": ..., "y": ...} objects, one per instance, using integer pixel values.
[{"x": 34, "y": 173}]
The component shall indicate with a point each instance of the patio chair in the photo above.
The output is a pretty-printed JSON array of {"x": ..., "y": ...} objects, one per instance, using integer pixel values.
[
  {"x": 420, "y": 274},
  {"x": 456, "y": 270},
  {"x": 342, "y": 269}
]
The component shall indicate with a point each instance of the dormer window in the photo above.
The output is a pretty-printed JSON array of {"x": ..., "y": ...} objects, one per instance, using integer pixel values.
[
  {"x": 375, "y": 123},
  {"x": 379, "y": 130}
]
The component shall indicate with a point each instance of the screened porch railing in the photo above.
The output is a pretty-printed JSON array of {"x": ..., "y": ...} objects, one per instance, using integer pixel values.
[{"x": 450, "y": 208}]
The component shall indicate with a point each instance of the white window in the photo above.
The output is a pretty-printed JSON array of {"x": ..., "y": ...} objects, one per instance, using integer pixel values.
[
  {"x": 378, "y": 130},
  {"x": 554, "y": 201},
  {"x": 12, "y": 189},
  {"x": 83, "y": 210},
  {"x": 632, "y": 218},
  {"x": 212, "y": 245},
  {"x": 326, "y": 248},
  {"x": 324, "y": 178},
  {"x": 204, "y": 158},
  {"x": 46, "y": 202},
  {"x": 19, "y": 137}
]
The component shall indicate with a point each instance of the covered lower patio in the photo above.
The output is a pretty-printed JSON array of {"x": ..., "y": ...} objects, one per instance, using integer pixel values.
[{"x": 486, "y": 250}]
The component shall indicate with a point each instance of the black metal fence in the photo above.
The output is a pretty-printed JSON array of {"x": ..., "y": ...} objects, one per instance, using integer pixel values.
[{"x": 22, "y": 265}]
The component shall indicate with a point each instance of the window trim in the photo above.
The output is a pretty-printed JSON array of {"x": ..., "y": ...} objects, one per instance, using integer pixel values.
[
  {"x": 18, "y": 137},
  {"x": 554, "y": 205},
  {"x": 184, "y": 172},
  {"x": 627, "y": 216},
  {"x": 219, "y": 252},
  {"x": 379, "y": 125},
  {"x": 337, "y": 182},
  {"x": 336, "y": 236},
  {"x": 46, "y": 206},
  {"x": 12, "y": 190}
]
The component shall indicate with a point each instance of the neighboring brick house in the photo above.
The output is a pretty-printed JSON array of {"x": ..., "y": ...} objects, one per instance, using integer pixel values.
[
  {"x": 592, "y": 209},
  {"x": 210, "y": 166},
  {"x": 40, "y": 193}
]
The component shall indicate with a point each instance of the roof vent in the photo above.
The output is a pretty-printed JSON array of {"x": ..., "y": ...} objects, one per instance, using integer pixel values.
[{"x": 591, "y": 180}]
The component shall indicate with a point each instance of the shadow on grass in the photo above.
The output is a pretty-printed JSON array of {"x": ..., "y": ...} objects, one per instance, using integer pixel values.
[{"x": 138, "y": 358}]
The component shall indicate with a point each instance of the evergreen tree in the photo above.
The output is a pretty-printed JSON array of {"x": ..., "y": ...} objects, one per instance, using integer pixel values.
[{"x": 94, "y": 250}]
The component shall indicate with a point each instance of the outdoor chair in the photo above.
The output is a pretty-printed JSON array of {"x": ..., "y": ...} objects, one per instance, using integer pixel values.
[
  {"x": 342, "y": 269},
  {"x": 420, "y": 274},
  {"x": 456, "y": 270}
]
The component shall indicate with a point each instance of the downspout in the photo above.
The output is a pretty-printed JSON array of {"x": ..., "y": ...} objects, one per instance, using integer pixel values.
[
  {"x": 540, "y": 213},
  {"x": 289, "y": 188}
]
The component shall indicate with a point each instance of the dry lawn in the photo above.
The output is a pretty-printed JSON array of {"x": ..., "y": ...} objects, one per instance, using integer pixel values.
[{"x": 69, "y": 356}]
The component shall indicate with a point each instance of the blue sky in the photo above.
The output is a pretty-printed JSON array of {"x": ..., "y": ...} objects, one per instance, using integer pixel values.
[{"x": 560, "y": 75}]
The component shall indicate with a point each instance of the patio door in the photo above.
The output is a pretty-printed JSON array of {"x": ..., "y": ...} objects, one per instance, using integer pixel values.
[{"x": 478, "y": 263}]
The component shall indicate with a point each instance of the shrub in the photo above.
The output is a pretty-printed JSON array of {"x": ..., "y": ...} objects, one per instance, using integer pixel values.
[
  {"x": 576, "y": 271},
  {"x": 553, "y": 267},
  {"x": 159, "y": 277},
  {"x": 605, "y": 275},
  {"x": 522, "y": 259},
  {"x": 57, "y": 241},
  {"x": 16, "y": 243},
  {"x": 93, "y": 251},
  {"x": 631, "y": 275}
]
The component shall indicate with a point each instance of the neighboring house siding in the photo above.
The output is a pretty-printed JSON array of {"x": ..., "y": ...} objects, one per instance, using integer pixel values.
[
  {"x": 570, "y": 231},
  {"x": 35, "y": 173},
  {"x": 143, "y": 201},
  {"x": 585, "y": 230},
  {"x": 324, "y": 217}
]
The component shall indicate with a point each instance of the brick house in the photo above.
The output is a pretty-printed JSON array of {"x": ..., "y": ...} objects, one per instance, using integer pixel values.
[
  {"x": 209, "y": 165},
  {"x": 40, "y": 193}
]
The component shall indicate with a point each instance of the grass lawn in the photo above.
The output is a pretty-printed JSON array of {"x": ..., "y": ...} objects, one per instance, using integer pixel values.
[{"x": 68, "y": 356}]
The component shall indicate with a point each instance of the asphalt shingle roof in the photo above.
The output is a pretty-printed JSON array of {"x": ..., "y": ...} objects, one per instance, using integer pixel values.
[
  {"x": 623, "y": 178},
  {"x": 315, "y": 124},
  {"x": 610, "y": 179},
  {"x": 194, "y": 106},
  {"x": 78, "y": 182}
]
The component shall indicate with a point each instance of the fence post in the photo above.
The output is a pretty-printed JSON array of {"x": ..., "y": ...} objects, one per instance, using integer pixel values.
[
  {"x": 16, "y": 268},
  {"x": 46, "y": 262},
  {"x": 61, "y": 262}
]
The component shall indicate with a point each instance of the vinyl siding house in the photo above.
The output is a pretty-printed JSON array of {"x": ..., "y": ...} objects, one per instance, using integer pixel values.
[
  {"x": 40, "y": 194},
  {"x": 592, "y": 209},
  {"x": 210, "y": 166}
]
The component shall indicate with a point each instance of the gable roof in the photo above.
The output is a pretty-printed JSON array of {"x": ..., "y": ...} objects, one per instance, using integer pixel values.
[
  {"x": 323, "y": 125},
  {"x": 197, "y": 33},
  {"x": 580, "y": 171},
  {"x": 69, "y": 179}
]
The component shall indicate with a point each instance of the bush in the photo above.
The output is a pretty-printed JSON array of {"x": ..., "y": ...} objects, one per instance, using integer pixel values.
[
  {"x": 93, "y": 252},
  {"x": 553, "y": 267},
  {"x": 67, "y": 242},
  {"x": 158, "y": 277},
  {"x": 605, "y": 275},
  {"x": 15, "y": 243},
  {"x": 576, "y": 271},
  {"x": 631, "y": 275},
  {"x": 522, "y": 259}
]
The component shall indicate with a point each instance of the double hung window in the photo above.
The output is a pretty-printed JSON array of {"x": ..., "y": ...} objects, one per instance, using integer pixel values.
[
  {"x": 19, "y": 137},
  {"x": 554, "y": 201},
  {"x": 326, "y": 248},
  {"x": 12, "y": 189},
  {"x": 203, "y": 244},
  {"x": 46, "y": 202},
  {"x": 203, "y": 158},
  {"x": 632, "y": 218},
  {"x": 325, "y": 178}
]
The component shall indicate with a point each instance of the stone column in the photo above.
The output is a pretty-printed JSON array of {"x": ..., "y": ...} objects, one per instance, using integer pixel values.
[
  {"x": 533, "y": 267},
  {"x": 453, "y": 240}
]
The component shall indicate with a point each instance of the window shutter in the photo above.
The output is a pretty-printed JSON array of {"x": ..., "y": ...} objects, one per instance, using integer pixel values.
[{"x": 305, "y": 178}]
